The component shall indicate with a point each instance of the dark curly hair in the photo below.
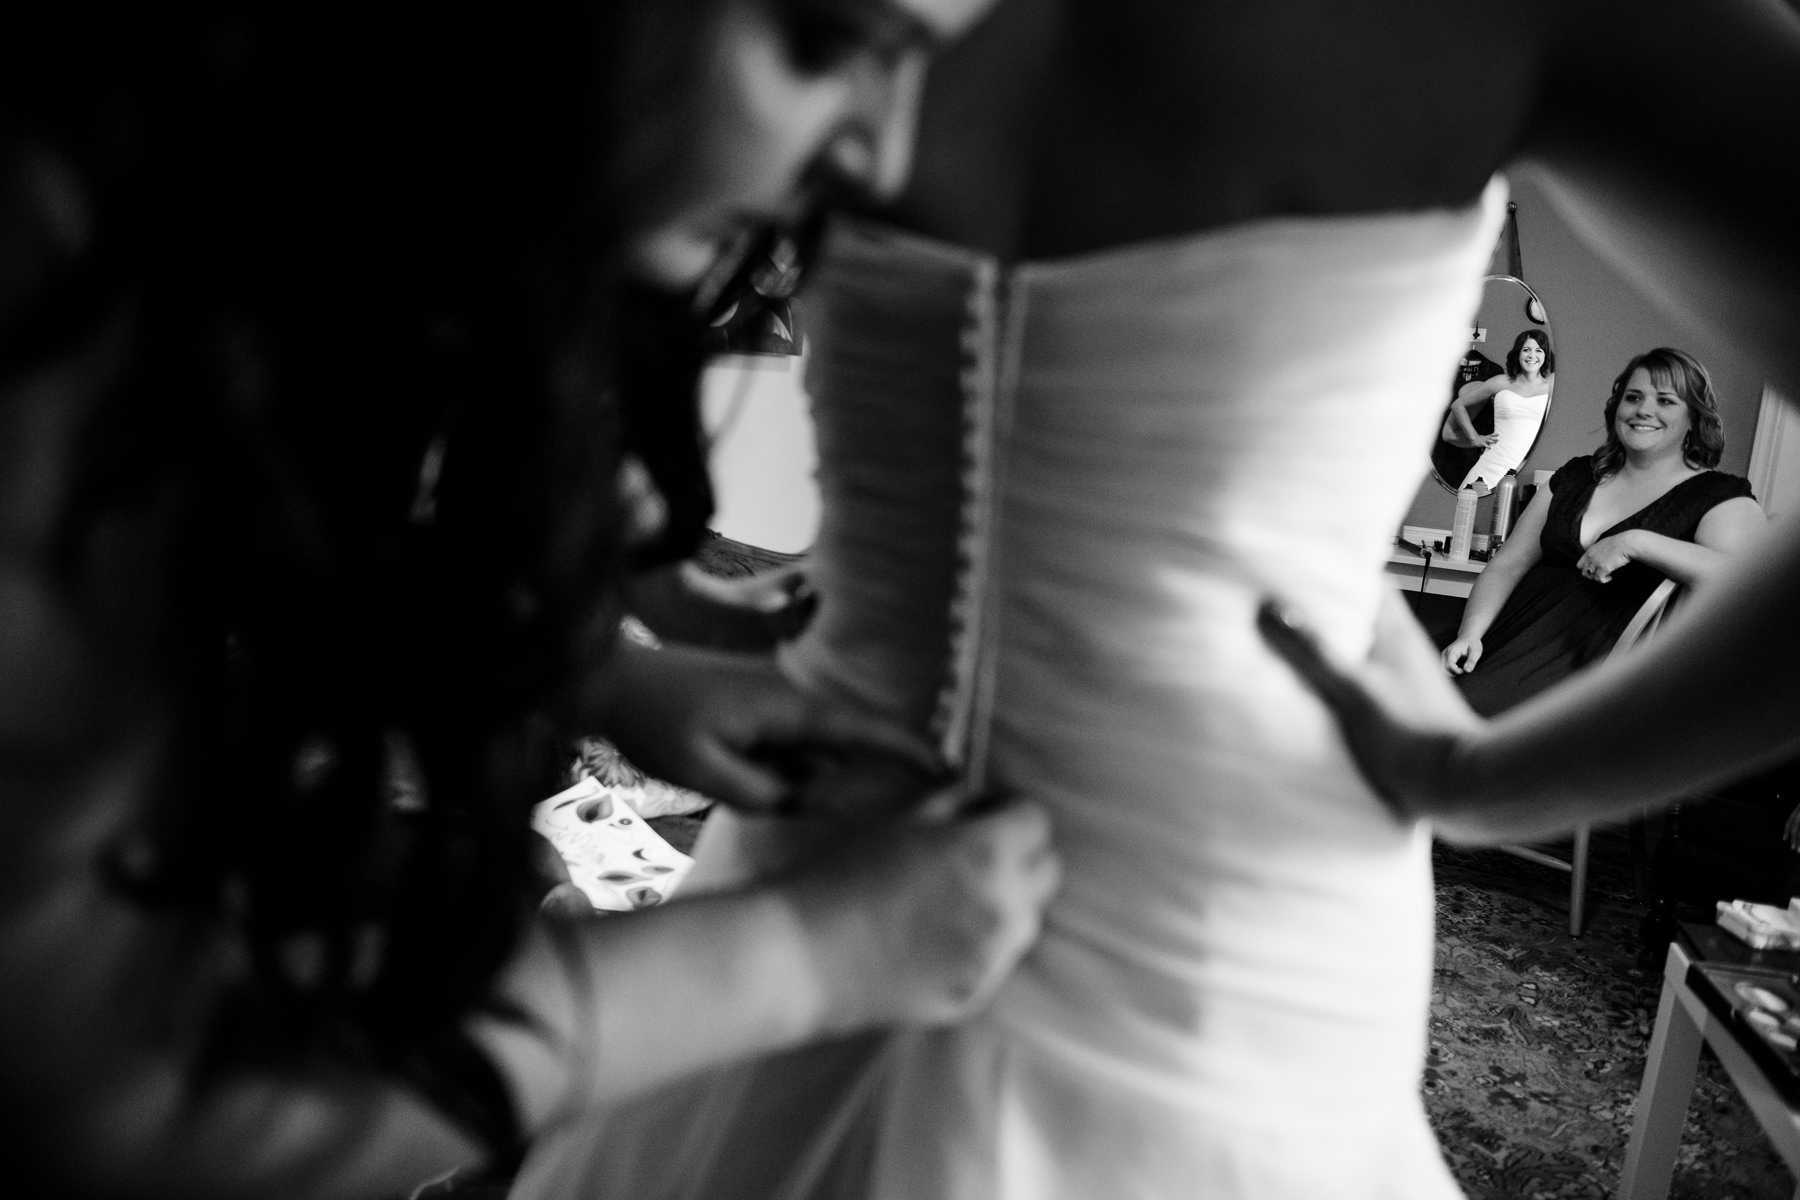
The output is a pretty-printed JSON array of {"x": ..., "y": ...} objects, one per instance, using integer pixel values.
[
  {"x": 1685, "y": 375},
  {"x": 1514, "y": 370},
  {"x": 343, "y": 505}
]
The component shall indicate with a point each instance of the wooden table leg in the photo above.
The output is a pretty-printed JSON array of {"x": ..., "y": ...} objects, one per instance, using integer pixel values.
[{"x": 1663, "y": 1098}]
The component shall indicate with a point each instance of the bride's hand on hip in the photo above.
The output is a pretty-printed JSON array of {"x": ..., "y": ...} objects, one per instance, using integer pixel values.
[
  {"x": 1402, "y": 718},
  {"x": 915, "y": 922}
]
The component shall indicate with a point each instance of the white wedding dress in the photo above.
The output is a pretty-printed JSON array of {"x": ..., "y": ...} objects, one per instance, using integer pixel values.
[
  {"x": 1054, "y": 495},
  {"x": 1517, "y": 419}
]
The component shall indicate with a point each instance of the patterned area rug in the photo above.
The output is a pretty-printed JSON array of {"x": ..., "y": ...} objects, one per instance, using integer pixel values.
[{"x": 1538, "y": 1041}]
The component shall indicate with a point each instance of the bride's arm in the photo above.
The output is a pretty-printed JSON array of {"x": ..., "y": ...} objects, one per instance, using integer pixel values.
[
  {"x": 1716, "y": 696},
  {"x": 1459, "y": 429}
]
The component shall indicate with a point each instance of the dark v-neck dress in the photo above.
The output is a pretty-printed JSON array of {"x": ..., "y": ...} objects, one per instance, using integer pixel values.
[{"x": 1556, "y": 622}]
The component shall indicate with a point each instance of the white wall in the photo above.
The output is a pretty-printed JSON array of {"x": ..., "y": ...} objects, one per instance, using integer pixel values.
[{"x": 763, "y": 457}]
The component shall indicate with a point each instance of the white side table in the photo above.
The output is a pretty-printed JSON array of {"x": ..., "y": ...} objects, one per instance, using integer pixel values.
[{"x": 1683, "y": 1023}]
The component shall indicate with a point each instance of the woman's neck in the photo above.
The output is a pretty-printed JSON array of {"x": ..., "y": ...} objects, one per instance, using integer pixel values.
[{"x": 1644, "y": 469}]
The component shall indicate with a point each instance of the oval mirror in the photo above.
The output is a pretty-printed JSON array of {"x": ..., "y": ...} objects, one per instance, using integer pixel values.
[{"x": 1501, "y": 395}]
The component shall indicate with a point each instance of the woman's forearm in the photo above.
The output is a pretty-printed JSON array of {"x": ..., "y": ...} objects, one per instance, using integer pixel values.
[
  {"x": 1486, "y": 598},
  {"x": 1459, "y": 427},
  {"x": 900, "y": 922},
  {"x": 644, "y": 999},
  {"x": 905, "y": 921},
  {"x": 637, "y": 1001},
  {"x": 1492, "y": 588},
  {"x": 1687, "y": 563}
]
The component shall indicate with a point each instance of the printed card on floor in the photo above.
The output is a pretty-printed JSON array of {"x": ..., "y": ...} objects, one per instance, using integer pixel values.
[{"x": 613, "y": 855}]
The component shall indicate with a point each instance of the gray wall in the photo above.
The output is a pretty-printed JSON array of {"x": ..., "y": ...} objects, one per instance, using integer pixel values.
[{"x": 1597, "y": 322}]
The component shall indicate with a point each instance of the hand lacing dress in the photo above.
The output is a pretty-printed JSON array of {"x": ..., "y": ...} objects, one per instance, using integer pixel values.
[{"x": 1054, "y": 495}]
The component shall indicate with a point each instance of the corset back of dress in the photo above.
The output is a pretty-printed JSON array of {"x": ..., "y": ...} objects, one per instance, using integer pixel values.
[{"x": 1053, "y": 497}]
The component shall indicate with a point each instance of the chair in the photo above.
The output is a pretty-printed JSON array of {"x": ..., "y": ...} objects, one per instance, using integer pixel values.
[{"x": 1643, "y": 623}]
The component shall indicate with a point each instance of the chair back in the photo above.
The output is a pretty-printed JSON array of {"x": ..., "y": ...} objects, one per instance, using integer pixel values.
[{"x": 1646, "y": 620}]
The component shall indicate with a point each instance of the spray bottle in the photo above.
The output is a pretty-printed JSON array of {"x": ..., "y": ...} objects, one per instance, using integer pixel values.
[
  {"x": 1503, "y": 509},
  {"x": 1462, "y": 526}
]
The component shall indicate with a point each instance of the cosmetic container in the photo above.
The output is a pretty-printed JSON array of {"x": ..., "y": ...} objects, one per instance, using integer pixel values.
[{"x": 1462, "y": 525}]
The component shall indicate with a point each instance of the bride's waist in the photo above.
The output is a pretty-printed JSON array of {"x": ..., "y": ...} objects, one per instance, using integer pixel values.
[
  {"x": 1262, "y": 989},
  {"x": 1173, "y": 595}
]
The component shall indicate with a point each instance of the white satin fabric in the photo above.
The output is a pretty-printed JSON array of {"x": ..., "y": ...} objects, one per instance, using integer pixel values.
[
  {"x": 1516, "y": 422},
  {"x": 1054, "y": 497}
]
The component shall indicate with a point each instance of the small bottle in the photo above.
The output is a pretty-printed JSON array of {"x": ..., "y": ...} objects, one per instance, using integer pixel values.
[
  {"x": 1503, "y": 508},
  {"x": 1462, "y": 526}
]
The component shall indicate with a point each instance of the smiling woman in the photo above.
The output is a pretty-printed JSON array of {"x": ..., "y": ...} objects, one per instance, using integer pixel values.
[{"x": 1610, "y": 526}]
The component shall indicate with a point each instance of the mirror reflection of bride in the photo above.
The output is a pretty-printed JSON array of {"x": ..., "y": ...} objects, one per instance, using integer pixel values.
[{"x": 1519, "y": 397}]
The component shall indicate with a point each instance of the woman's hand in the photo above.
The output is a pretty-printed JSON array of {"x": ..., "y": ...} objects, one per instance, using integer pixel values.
[
  {"x": 732, "y": 727},
  {"x": 1401, "y": 716},
  {"x": 784, "y": 596},
  {"x": 920, "y": 923},
  {"x": 906, "y": 921},
  {"x": 684, "y": 604},
  {"x": 1608, "y": 555},
  {"x": 1460, "y": 656}
]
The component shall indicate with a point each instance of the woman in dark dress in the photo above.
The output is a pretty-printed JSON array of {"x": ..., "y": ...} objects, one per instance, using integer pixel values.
[{"x": 1592, "y": 546}]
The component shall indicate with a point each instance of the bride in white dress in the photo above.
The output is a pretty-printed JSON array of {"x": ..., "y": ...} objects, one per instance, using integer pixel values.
[
  {"x": 1176, "y": 341},
  {"x": 1520, "y": 398}
]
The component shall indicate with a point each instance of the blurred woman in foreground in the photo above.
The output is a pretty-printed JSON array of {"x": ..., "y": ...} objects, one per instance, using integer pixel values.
[{"x": 316, "y": 496}]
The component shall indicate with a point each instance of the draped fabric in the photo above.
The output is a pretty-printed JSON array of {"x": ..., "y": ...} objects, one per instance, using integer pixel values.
[{"x": 1055, "y": 494}]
